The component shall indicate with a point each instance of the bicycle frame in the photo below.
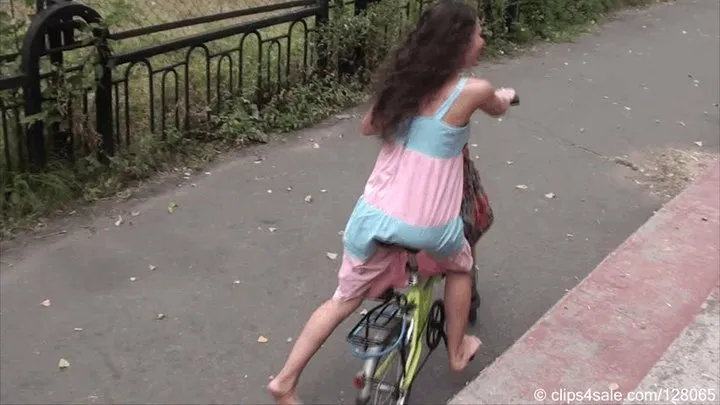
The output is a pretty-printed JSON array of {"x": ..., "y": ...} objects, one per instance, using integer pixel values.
[{"x": 419, "y": 298}]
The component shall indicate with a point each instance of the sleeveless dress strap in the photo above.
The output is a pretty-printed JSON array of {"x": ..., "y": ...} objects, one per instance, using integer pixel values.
[{"x": 445, "y": 107}]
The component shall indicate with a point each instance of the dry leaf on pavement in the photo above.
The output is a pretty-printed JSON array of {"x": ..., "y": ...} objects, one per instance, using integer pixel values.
[
  {"x": 63, "y": 364},
  {"x": 331, "y": 256},
  {"x": 262, "y": 339},
  {"x": 45, "y": 303}
]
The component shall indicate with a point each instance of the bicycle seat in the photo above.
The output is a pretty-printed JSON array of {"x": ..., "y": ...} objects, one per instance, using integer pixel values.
[{"x": 392, "y": 245}]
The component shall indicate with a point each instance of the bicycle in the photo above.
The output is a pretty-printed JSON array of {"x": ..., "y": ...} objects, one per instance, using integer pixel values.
[{"x": 392, "y": 332}]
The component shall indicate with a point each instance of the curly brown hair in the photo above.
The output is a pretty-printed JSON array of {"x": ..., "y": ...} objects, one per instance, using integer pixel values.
[{"x": 432, "y": 53}]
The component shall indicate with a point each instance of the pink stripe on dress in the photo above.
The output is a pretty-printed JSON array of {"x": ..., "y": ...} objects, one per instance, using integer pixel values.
[{"x": 425, "y": 191}]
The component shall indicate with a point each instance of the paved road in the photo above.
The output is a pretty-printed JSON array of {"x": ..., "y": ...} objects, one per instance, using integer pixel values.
[{"x": 562, "y": 138}]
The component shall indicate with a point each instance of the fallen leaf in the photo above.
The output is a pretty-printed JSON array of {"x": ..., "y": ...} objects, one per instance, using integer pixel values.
[
  {"x": 45, "y": 303},
  {"x": 323, "y": 191},
  {"x": 308, "y": 199},
  {"x": 289, "y": 340},
  {"x": 262, "y": 339},
  {"x": 271, "y": 229},
  {"x": 681, "y": 123},
  {"x": 171, "y": 207},
  {"x": 509, "y": 162},
  {"x": 133, "y": 278},
  {"x": 236, "y": 282},
  {"x": 160, "y": 316},
  {"x": 698, "y": 143},
  {"x": 331, "y": 256},
  {"x": 63, "y": 364},
  {"x": 550, "y": 195},
  {"x": 521, "y": 187},
  {"x": 269, "y": 191},
  {"x": 135, "y": 213},
  {"x": 78, "y": 329},
  {"x": 119, "y": 221},
  {"x": 628, "y": 108},
  {"x": 569, "y": 236},
  {"x": 316, "y": 145}
]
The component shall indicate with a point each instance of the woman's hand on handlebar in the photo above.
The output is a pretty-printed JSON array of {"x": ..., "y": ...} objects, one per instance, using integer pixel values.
[{"x": 506, "y": 96}]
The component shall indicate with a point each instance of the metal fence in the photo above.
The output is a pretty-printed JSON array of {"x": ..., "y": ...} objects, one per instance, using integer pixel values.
[{"x": 169, "y": 76}]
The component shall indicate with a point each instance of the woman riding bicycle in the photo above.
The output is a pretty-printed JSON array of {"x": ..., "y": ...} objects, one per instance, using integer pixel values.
[{"x": 421, "y": 111}]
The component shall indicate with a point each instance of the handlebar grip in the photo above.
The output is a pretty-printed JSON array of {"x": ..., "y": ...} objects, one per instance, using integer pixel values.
[{"x": 515, "y": 100}]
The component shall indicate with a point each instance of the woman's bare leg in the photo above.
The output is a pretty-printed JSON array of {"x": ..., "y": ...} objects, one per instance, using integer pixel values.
[
  {"x": 320, "y": 325},
  {"x": 461, "y": 347}
]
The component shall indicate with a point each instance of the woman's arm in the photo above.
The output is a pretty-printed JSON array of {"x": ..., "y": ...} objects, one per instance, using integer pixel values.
[
  {"x": 366, "y": 126},
  {"x": 492, "y": 102}
]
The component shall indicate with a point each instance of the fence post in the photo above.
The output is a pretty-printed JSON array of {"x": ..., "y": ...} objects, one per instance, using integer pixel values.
[
  {"x": 33, "y": 46},
  {"x": 47, "y": 23},
  {"x": 512, "y": 12},
  {"x": 321, "y": 19},
  {"x": 485, "y": 7},
  {"x": 359, "y": 56},
  {"x": 103, "y": 94}
]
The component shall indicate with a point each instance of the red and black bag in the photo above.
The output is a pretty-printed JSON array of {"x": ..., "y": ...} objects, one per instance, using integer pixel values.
[{"x": 476, "y": 213}]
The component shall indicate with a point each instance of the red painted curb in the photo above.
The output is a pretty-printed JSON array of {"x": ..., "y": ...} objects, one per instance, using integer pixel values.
[{"x": 610, "y": 330}]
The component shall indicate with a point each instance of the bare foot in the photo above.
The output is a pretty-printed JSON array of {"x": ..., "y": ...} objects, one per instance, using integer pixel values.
[
  {"x": 468, "y": 348},
  {"x": 282, "y": 395}
]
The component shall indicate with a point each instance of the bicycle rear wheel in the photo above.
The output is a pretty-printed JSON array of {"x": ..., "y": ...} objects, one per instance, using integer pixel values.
[{"x": 386, "y": 381}]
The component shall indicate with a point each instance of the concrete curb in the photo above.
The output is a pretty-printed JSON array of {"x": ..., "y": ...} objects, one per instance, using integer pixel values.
[{"x": 609, "y": 331}]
